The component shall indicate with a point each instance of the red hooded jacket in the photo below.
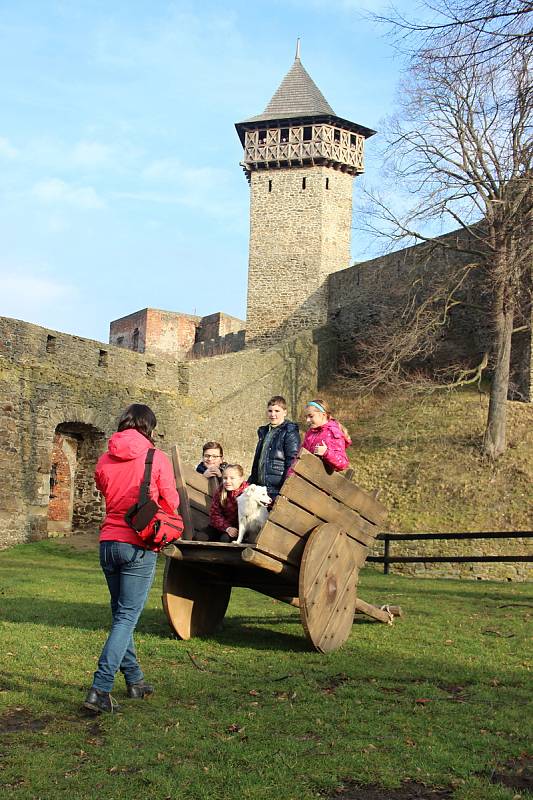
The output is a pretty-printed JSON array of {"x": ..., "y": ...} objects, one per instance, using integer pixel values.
[
  {"x": 119, "y": 474},
  {"x": 332, "y": 436}
]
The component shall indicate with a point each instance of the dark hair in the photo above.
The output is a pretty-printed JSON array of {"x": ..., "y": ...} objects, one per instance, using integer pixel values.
[
  {"x": 277, "y": 400},
  {"x": 139, "y": 417},
  {"x": 213, "y": 446}
]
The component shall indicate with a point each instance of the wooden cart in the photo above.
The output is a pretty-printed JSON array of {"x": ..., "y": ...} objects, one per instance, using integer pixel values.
[{"x": 308, "y": 553}]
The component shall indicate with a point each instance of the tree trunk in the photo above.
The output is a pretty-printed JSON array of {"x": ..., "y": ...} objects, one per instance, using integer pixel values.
[{"x": 494, "y": 440}]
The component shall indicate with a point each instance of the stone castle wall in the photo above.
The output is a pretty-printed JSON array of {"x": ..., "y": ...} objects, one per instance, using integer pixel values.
[
  {"x": 300, "y": 226},
  {"x": 374, "y": 292},
  {"x": 52, "y": 383}
]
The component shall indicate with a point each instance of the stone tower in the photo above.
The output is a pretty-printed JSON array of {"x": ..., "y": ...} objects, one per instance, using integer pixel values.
[{"x": 300, "y": 159}]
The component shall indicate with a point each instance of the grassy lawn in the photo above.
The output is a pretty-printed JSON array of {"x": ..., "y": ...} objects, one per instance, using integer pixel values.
[{"x": 439, "y": 698}]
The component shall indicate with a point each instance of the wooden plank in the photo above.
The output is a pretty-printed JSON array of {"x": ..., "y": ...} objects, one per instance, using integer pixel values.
[
  {"x": 373, "y": 611},
  {"x": 196, "y": 479},
  {"x": 326, "y": 508},
  {"x": 312, "y": 468},
  {"x": 293, "y": 518},
  {"x": 184, "y": 508},
  {"x": 199, "y": 500},
  {"x": 280, "y": 543},
  {"x": 266, "y": 562}
]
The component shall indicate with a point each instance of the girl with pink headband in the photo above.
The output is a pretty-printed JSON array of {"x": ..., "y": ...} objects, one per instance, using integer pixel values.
[{"x": 326, "y": 437}]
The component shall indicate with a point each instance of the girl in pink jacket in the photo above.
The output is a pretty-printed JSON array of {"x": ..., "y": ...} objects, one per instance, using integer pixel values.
[{"x": 326, "y": 437}]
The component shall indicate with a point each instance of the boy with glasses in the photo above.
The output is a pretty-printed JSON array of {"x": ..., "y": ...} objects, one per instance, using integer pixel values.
[{"x": 212, "y": 462}]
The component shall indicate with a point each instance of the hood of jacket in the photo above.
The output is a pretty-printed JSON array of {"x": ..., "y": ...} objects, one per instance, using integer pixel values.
[{"x": 127, "y": 445}]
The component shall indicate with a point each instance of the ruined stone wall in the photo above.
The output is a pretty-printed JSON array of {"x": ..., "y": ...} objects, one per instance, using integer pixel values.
[
  {"x": 54, "y": 383},
  {"x": 170, "y": 333},
  {"x": 300, "y": 225},
  {"x": 129, "y": 332},
  {"x": 375, "y": 292},
  {"x": 154, "y": 331}
]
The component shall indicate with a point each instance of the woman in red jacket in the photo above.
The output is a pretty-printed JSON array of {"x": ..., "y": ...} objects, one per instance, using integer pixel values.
[
  {"x": 224, "y": 514},
  {"x": 128, "y": 566}
]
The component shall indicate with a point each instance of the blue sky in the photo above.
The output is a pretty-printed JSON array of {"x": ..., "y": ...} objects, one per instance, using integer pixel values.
[{"x": 120, "y": 182}]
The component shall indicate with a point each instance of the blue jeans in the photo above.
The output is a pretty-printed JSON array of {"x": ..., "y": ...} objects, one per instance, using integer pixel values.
[{"x": 129, "y": 571}]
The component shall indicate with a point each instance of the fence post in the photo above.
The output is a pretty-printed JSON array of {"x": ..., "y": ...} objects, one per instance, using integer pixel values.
[{"x": 386, "y": 556}]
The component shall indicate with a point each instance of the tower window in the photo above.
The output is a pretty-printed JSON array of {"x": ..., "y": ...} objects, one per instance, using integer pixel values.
[
  {"x": 353, "y": 139},
  {"x": 262, "y": 137},
  {"x": 135, "y": 343},
  {"x": 50, "y": 344},
  {"x": 327, "y": 183},
  {"x": 284, "y": 135},
  {"x": 308, "y": 133},
  {"x": 304, "y": 180},
  {"x": 102, "y": 358},
  {"x": 270, "y": 186},
  {"x": 336, "y": 135}
]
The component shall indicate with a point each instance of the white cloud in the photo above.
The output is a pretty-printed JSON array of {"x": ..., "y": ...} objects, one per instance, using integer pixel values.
[
  {"x": 28, "y": 296},
  {"x": 6, "y": 149},
  {"x": 90, "y": 154},
  {"x": 55, "y": 191}
]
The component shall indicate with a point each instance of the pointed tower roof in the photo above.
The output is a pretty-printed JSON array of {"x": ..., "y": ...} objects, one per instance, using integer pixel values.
[
  {"x": 297, "y": 96},
  {"x": 298, "y": 100}
]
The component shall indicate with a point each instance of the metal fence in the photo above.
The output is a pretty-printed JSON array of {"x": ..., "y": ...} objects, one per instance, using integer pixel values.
[{"x": 386, "y": 559}]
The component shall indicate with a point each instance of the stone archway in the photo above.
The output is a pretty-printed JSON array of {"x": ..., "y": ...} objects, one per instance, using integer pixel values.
[{"x": 74, "y": 503}]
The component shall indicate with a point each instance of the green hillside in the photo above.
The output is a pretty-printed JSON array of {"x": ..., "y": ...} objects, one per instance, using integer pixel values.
[{"x": 424, "y": 456}]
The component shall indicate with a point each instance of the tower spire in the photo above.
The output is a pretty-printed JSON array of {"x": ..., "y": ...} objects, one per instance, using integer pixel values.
[{"x": 297, "y": 57}]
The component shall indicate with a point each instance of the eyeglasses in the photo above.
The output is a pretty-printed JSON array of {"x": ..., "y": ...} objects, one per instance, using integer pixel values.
[{"x": 210, "y": 457}]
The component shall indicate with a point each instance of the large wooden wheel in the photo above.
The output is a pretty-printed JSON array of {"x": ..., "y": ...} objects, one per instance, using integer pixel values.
[
  {"x": 327, "y": 586},
  {"x": 193, "y": 605}
]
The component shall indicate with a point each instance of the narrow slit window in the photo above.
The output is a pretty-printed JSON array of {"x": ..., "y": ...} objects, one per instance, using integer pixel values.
[
  {"x": 304, "y": 181},
  {"x": 327, "y": 183},
  {"x": 50, "y": 344},
  {"x": 102, "y": 358},
  {"x": 270, "y": 186},
  {"x": 135, "y": 341}
]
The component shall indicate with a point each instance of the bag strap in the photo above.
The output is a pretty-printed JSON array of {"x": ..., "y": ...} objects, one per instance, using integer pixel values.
[{"x": 144, "y": 491}]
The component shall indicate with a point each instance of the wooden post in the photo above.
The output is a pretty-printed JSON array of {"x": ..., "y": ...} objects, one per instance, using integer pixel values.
[
  {"x": 386, "y": 551},
  {"x": 373, "y": 611},
  {"x": 185, "y": 508}
]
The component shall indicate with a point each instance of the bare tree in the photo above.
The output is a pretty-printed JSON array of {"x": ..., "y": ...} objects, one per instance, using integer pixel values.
[
  {"x": 491, "y": 29},
  {"x": 461, "y": 146}
]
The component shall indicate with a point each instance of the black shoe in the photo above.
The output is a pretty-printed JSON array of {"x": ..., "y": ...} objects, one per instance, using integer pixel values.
[
  {"x": 138, "y": 691},
  {"x": 98, "y": 701}
]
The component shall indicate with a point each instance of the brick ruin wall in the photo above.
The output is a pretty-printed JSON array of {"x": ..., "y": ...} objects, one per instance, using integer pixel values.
[
  {"x": 374, "y": 291},
  {"x": 300, "y": 227},
  {"x": 63, "y": 394}
]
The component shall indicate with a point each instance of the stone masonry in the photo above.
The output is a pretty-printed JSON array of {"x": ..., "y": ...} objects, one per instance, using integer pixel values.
[
  {"x": 61, "y": 395},
  {"x": 300, "y": 226}
]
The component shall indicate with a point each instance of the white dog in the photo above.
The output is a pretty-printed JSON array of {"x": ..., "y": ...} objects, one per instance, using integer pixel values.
[{"x": 252, "y": 505}]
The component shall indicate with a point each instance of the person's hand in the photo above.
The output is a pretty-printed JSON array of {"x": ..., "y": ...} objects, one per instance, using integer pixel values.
[
  {"x": 320, "y": 449},
  {"x": 232, "y": 532},
  {"x": 212, "y": 472}
]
